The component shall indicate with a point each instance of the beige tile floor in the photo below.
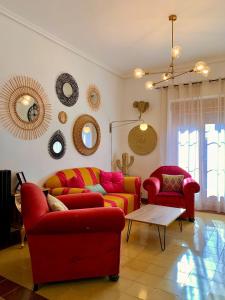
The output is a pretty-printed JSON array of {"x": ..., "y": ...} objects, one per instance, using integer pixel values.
[{"x": 191, "y": 267}]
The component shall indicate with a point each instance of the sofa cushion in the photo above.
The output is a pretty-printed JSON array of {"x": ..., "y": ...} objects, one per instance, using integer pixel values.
[
  {"x": 96, "y": 188},
  {"x": 172, "y": 183},
  {"x": 55, "y": 204},
  {"x": 127, "y": 202},
  {"x": 75, "y": 181},
  {"x": 112, "y": 182}
]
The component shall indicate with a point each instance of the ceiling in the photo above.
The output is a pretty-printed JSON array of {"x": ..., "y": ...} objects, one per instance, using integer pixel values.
[{"x": 123, "y": 34}]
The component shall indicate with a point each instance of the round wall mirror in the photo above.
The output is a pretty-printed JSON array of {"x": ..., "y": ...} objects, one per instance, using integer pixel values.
[
  {"x": 27, "y": 108},
  {"x": 57, "y": 145},
  {"x": 24, "y": 108},
  {"x": 86, "y": 135},
  {"x": 67, "y": 89}
]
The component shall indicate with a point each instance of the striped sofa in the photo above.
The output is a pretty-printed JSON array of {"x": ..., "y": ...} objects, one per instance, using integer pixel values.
[{"x": 129, "y": 200}]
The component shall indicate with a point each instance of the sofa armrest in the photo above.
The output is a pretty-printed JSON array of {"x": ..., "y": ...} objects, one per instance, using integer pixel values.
[
  {"x": 99, "y": 219},
  {"x": 85, "y": 200},
  {"x": 67, "y": 190},
  {"x": 190, "y": 186},
  {"x": 152, "y": 185},
  {"x": 132, "y": 184}
]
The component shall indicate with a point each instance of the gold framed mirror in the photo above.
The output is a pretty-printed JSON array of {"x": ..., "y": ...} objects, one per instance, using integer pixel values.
[
  {"x": 24, "y": 108},
  {"x": 86, "y": 134}
]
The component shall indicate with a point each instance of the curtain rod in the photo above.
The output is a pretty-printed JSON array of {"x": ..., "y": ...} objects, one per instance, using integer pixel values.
[{"x": 195, "y": 82}]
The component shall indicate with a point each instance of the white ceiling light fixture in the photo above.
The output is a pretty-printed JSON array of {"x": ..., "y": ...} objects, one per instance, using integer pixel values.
[{"x": 200, "y": 67}]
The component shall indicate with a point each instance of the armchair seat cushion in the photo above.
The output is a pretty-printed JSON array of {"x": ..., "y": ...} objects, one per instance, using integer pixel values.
[{"x": 172, "y": 199}]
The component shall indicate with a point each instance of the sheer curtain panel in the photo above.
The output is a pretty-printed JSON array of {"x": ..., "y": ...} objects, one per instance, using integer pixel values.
[{"x": 193, "y": 137}]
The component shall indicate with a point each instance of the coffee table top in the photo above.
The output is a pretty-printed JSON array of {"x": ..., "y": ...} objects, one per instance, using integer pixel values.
[{"x": 155, "y": 214}]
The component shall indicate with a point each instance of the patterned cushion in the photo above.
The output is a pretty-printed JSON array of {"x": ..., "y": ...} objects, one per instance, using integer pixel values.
[
  {"x": 55, "y": 204},
  {"x": 172, "y": 183}
]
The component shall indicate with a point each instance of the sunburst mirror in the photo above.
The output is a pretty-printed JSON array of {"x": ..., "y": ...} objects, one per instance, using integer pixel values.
[
  {"x": 24, "y": 108},
  {"x": 93, "y": 97}
]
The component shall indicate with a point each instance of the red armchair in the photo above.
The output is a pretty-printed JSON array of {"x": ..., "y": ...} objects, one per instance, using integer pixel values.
[
  {"x": 82, "y": 242},
  {"x": 185, "y": 199}
]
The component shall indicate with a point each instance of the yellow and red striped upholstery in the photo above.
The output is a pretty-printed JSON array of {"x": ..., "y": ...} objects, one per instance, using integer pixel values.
[{"x": 128, "y": 201}]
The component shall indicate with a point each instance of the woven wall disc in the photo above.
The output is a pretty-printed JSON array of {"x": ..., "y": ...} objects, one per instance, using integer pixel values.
[{"x": 142, "y": 142}]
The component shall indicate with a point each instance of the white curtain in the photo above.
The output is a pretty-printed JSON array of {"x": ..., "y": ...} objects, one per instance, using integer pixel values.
[{"x": 193, "y": 137}]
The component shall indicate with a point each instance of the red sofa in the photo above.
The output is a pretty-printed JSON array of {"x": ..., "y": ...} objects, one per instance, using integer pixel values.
[
  {"x": 185, "y": 199},
  {"x": 81, "y": 242}
]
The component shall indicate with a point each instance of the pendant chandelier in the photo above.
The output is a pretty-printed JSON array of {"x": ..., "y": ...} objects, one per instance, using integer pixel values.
[{"x": 200, "y": 67}]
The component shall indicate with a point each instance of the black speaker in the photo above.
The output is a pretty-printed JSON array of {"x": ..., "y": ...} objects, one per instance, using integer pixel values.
[{"x": 5, "y": 207}]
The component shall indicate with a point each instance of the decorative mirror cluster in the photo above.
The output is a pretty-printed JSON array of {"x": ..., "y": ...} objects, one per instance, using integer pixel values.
[
  {"x": 67, "y": 89},
  {"x": 62, "y": 116},
  {"x": 93, "y": 97},
  {"x": 24, "y": 108},
  {"x": 142, "y": 142},
  {"x": 86, "y": 135},
  {"x": 57, "y": 145}
]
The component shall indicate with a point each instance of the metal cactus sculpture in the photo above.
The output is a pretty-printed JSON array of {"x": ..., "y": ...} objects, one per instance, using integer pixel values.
[{"x": 125, "y": 163}]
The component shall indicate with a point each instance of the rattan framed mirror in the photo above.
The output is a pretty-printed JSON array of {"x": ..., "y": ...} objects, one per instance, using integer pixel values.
[
  {"x": 24, "y": 108},
  {"x": 86, "y": 135}
]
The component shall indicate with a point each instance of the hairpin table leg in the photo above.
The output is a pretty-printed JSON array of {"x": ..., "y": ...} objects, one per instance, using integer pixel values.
[
  {"x": 162, "y": 243},
  {"x": 129, "y": 229},
  {"x": 180, "y": 224}
]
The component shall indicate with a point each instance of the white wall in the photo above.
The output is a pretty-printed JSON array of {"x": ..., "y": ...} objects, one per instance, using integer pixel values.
[
  {"x": 24, "y": 52},
  {"x": 135, "y": 91}
]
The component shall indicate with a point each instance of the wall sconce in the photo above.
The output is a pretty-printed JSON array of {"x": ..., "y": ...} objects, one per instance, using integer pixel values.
[{"x": 142, "y": 106}]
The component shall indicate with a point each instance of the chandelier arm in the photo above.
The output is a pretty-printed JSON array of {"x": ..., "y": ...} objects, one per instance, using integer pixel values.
[
  {"x": 172, "y": 62},
  {"x": 174, "y": 76}
]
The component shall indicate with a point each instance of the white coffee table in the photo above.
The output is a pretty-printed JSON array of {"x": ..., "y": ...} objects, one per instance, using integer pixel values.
[{"x": 161, "y": 216}]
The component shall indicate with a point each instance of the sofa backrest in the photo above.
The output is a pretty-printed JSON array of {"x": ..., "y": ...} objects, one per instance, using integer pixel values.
[
  {"x": 170, "y": 170},
  {"x": 89, "y": 175}
]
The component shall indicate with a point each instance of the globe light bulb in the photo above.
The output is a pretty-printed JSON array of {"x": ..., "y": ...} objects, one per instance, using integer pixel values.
[
  {"x": 139, "y": 73},
  {"x": 86, "y": 129},
  {"x": 166, "y": 76},
  {"x": 205, "y": 71},
  {"x": 26, "y": 100},
  {"x": 149, "y": 85},
  {"x": 143, "y": 126},
  {"x": 176, "y": 51},
  {"x": 199, "y": 67}
]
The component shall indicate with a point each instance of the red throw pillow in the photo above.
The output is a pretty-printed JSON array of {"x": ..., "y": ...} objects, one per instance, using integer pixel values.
[
  {"x": 76, "y": 182},
  {"x": 112, "y": 182}
]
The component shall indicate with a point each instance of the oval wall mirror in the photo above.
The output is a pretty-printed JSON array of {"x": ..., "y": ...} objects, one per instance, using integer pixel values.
[
  {"x": 67, "y": 89},
  {"x": 24, "y": 108},
  {"x": 86, "y": 135},
  {"x": 57, "y": 145},
  {"x": 89, "y": 135}
]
